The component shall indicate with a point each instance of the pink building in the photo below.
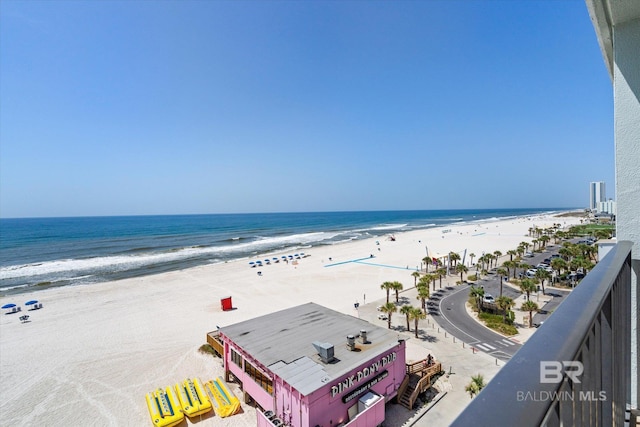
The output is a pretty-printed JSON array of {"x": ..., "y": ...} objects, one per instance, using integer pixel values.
[{"x": 309, "y": 366}]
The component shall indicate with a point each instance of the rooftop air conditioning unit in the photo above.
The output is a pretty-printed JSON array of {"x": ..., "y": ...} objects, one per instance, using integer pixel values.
[
  {"x": 351, "y": 342},
  {"x": 325, "y": 350}
]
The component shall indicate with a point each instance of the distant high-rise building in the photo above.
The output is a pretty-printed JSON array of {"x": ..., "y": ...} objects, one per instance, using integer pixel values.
[{"x": 596, "y": 194}]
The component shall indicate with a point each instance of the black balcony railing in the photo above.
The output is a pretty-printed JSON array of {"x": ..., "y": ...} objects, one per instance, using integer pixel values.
[{"x": 576, "y": 369}]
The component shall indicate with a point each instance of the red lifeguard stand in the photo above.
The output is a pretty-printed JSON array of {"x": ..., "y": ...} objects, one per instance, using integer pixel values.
[{"x": 226, "y": 304}]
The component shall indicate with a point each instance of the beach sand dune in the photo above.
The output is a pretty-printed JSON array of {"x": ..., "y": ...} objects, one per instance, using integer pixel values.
[{"x": 93, "y": 352}]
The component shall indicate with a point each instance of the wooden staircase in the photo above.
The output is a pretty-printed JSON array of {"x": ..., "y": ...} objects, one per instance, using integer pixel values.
[{"x": 416, "y": 381}]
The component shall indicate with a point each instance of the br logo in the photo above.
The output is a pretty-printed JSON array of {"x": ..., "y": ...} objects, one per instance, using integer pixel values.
[{"x": 552, "y": 372}]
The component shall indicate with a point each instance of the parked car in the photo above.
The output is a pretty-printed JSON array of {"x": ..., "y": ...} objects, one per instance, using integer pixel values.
[
  {"x": 528, "y": 254},
  {"x": 531, "y": 273},
  {"x": 488, "y": 298},
  {"x": 383, "y": 316}
]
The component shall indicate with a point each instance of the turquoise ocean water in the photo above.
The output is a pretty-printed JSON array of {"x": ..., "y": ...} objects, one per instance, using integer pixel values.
[{"x": 36, "y": 253}]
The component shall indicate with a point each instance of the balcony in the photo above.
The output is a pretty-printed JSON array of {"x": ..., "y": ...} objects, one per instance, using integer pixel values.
[{"x": 576, "y": 369}]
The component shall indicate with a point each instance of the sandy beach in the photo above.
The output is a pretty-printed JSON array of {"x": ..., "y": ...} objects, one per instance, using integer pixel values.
[{"x": 90, "y": 355}]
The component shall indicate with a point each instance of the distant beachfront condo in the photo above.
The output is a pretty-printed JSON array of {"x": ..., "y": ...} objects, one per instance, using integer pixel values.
[
  {"x": 596, "y": 194},
  {"x": 310, "y": 366},
  {"x": 608, "y": 207}
]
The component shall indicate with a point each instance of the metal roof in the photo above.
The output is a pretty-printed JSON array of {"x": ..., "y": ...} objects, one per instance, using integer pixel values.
[{"x": 282, "y": 341}]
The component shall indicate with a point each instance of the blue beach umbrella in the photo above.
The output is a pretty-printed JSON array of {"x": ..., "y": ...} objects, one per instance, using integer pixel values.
[
  {"x": 31, "y": 302},
  {"x": 8, "y": 306}
]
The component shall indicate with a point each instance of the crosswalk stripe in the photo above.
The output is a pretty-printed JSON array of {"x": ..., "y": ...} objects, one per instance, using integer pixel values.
[
  {"x": 482, "y": 347},
  {"x": 508, "y": 342},
  {"x": 490, "y": 346}
]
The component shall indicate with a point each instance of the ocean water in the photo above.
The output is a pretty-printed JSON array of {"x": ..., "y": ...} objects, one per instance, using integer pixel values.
[{"x": 36, "y": 253}]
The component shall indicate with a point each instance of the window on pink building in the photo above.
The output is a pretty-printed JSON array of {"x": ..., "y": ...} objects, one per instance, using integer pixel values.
[
  {"x": 260, "y": 379},
  {"x": 236, "y": 358}
]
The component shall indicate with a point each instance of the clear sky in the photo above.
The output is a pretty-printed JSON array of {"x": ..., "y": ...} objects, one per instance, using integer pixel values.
[{"x": 177, "y": 107}]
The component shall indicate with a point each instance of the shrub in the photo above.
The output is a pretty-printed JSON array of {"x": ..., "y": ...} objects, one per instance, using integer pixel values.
[{"x": 207, "y": 349}]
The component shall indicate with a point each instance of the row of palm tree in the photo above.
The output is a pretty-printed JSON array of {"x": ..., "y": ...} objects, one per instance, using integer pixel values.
[
  {"x": 412, "y": 313},
  {"x": 392, "y": 286}
]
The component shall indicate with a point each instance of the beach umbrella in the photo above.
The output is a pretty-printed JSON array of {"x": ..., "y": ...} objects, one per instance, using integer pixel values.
[
  {"x": 31, "y": 302},
  {"x": 8, "y": 306},
  {"x": 251, "y": 262}
]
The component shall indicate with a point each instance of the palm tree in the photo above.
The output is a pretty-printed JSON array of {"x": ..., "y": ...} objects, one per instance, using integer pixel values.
[
  {"x": 415, "y": 275},
  {"x": 566, "y": 253},
  {"x": 477, "y": 293},
  {"x": 397, "y": 286},
  {"x": 426, "y": 280},
  {"x": 461, "y": 268},
  {"x": 524, "y": 266},
  {"x": 416, "y": 314},
  {"x": 489, "y": 258},
  {"x": 544, "y": 240},
  {"x": 389, "y": 308},
  {"x": 475, "y": 386},
  {"x": 502, "y": 273},
  {"x": 530, "y": 306},
  {"x": 387, "y": 286},
  {"x": 534, "y": 241},
  {"x": 527, "y": 286},
  {"x": 406, "y": 310},
  {"x": 454, "y": 257},
  {"x": 543, "y": 275},
  {"x": 423, "y": 296},
  {"x": 504, "y": 304},
  {"x": 511, "y": 253},
  {"x": 509, "y": 265},
  {"x": 471, "y": 256},
  {"x": 497, "y": 254},
  {"x": 558, "y": 264},
  {"x": 441, "y": 272},
  {"x": 427, "y": 261}
]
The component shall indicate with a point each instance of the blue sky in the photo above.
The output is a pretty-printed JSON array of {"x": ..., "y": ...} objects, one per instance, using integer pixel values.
[{"x": 175, "y": 107}]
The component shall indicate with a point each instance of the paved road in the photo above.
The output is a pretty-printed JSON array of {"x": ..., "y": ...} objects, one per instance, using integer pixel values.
[{"x": 447, "y": 306}]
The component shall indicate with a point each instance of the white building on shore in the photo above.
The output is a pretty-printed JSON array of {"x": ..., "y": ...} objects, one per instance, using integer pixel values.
[{"x": 597, "y": 194}]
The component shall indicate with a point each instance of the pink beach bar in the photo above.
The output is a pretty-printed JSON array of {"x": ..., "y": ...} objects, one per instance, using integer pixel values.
[{"x": 309, "y": 366}]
